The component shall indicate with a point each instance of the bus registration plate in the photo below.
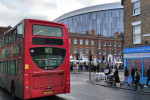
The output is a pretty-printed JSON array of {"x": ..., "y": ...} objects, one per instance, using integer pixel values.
[{"x": 48, "y": 92}]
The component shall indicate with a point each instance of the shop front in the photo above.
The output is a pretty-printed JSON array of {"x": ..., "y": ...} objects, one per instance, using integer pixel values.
[{"x": 139, "y": 58}]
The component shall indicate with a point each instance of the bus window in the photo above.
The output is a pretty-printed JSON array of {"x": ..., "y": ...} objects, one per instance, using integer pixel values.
[
  {"x": 19, "y": 32},
  {"x": 13, "y": 36},
  {"x": 9, "y": 67},
  {"x": 16, "y": 69},
  {"x": 0, "y": 43},
  {"x": 47, "y": 58},
  {"x": 16, "y": 49},
  {"x": 12, "y": 67},
  {"x": 6, "y": 39},
  {"x": 3, "y": 53},
  {"x": 40, "y": 30},
  {"x": 1, "y": 67}
]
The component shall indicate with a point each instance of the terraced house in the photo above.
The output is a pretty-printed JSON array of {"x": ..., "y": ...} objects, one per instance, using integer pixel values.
[{"x": 137, "y": 35}]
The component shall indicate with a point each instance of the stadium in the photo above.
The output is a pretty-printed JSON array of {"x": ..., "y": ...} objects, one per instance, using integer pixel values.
[{"x": 105, "y": 19}]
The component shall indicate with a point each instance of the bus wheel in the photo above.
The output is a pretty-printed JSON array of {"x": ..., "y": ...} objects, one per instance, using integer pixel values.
[{"x": 13, "y": 90}]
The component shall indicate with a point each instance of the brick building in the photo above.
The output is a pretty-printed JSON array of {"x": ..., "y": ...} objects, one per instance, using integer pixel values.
[
  {"x": 4, "y": 29},
  {"x": 137, "y": 35},
  {"x": 109, "y": 47}
]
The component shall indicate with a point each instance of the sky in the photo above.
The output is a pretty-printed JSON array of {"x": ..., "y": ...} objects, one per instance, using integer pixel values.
[{"x": 13, "y": 11}]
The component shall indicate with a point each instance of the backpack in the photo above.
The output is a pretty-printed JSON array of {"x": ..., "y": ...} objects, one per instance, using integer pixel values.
[{"x": 138, "y": 74}]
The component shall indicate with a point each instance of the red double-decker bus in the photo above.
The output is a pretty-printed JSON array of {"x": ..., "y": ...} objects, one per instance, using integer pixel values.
[{"x": 34, "y": 59}]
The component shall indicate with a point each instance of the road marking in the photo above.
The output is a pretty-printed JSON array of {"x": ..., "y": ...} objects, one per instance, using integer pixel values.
[
  {"x": 86, "y": 93},
  {"x": 67, "y": 96}
]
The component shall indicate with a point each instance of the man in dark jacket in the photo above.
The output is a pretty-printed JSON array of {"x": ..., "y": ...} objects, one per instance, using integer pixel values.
[
  {"x": 137, "y": 79},
  {"x": 132, "y": 74},
  {"x": 148, "y": 76},
  {"x": 126, "y": 74}
]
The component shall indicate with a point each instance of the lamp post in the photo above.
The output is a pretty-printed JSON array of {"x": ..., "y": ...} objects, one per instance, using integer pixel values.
[{"x": 90, "y": 59}]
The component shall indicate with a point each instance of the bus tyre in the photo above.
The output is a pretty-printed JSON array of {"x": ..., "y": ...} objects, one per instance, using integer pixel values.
[{"x": 13, "y": 90}]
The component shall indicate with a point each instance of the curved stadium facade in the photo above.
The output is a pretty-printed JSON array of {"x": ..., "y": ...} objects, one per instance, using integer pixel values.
[{"x": 105, "y": 19}]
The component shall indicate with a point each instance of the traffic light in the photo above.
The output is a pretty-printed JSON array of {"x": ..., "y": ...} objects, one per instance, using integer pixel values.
[
  {"x": 77, "y": 56},
  {"x": 90, "y": 57},
  {"x": 103, "y": 58}
]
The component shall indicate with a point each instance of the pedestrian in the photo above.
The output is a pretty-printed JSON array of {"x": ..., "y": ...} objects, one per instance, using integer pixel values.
[
  {"x": 137, "y": 79},
  {"x": 148, "y": 77},
  {"x": 133, "y": 75},
  {"x": 116, "y": 76},
  {"x": 126, "y": 74}
]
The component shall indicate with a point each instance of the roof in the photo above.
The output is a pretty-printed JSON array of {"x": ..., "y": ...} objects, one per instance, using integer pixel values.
[{"x": 91, "y": 9}]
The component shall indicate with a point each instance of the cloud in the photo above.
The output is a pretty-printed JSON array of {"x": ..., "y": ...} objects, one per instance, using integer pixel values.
[{"x": 14, "y": 11}]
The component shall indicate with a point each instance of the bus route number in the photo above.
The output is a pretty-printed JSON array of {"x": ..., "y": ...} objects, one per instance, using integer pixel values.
[{"x": 49, "y": 50}]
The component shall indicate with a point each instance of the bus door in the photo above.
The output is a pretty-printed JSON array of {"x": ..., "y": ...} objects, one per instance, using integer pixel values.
[{"x": 5, "y": 74}]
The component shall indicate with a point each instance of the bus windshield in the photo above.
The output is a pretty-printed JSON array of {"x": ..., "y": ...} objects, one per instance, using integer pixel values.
[
  {"x": 47, "y": 58},
  {"x": 41, "y": 30}
]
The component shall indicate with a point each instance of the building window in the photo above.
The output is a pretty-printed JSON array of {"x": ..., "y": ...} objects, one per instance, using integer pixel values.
[
  {"x": 99, "y": 51},
  {"x": 119, "y": 44},
  {"x": 104, "y": 51},
  {"x": 137, "y": 34},
  {"x": 104, "y": 43},
  {"x": 86, "y": 50},
  {"x": 81, "y": 42},
  {"x": 69, "y": 41},
  {"x": 75, "y": 50},
  {"x": 87, "y": 42},
  {"x": 109, "y": 43},
  {"x": 81, "y": 50},
  {"x": 114, "y": 44},
  {"x": 115, "y": 51},
  {"x": 92, "y": 51},
  {"x": 109, "y": 51},
  {"x": 119, "y": 52},
  {"x": 99, "y": 43},
  {"x": 92, "y": 42},
  {"x": 136, "y": 8},
  {"x": 75, "y": 41}
]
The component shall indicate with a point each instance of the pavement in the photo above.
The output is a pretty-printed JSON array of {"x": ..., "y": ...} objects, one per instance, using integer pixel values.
[{"x": 131, "y": 87}]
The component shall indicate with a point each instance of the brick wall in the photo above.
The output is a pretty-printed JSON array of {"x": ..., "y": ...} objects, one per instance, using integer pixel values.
[{"x": 144, "y": 17}]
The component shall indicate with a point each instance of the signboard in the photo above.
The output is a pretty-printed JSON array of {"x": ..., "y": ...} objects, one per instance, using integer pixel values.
[
  {"x": 136, "y": 50},
  {"x": 137, "y": 55}
]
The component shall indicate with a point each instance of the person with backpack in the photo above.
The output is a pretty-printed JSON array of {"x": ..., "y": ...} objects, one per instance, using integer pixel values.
[
  {"x": 137, "y": 79},
  {"x": 148, "y": 77}
]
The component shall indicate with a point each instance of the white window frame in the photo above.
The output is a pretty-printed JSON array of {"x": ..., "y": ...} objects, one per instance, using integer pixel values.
[
  {"x": 99, "y": 51},
  {"x": 109, "y": 51},
  {"x": 86, "y": 42},
  {"x": 136, "y": 35},
  {"x": 69, "y": 41},
  {"x": 119, "y": 52},
  {"x": 115, "y": 52},
  {"x": 74, "y": 50},
  {"x": 81, "y": 42},
  {"x": 92, "y": 42},
  {"x": 119, "y": 44},
  {"x": 104, "y": 43},
  {"x": 81, "y": 50},
  {"x": 104, "y": 51},
  {"x": 75, "y": 41},
  {"x": 92, "y": 51},
  {"x": 114, "y": 44},
  {"x": 109, "y": 43},
  {"x": 86, "y": 50},
  {"x": 135, "y": 2}
]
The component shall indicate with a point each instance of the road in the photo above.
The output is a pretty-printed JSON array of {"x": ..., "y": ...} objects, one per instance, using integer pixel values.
[{"x": 82, "y": 90}]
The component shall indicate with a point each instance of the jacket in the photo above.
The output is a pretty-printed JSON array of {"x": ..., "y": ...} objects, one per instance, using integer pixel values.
[
  {"x": 132, "y": 72},
  {"x": 126, "y": 73},
  {"x": 148, "y": 73}
]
